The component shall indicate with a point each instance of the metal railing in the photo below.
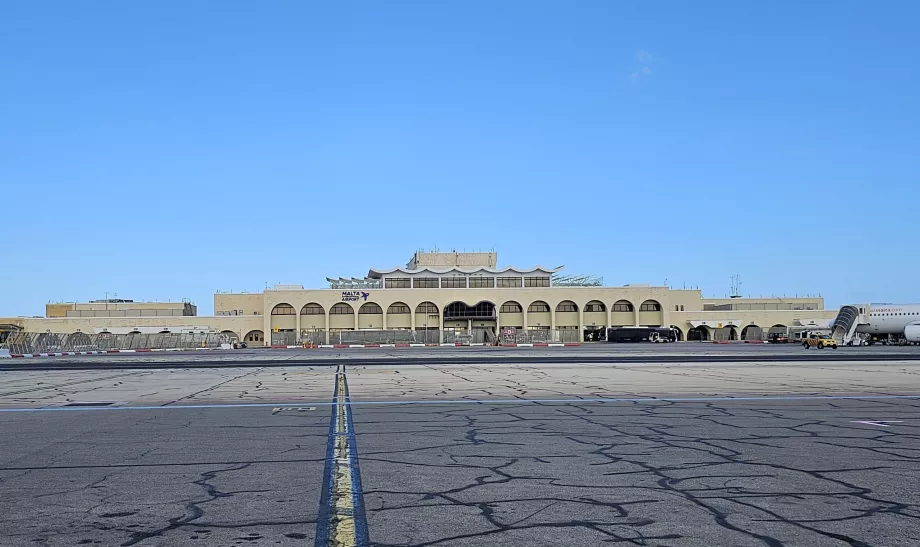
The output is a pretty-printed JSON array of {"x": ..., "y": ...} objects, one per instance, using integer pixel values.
[
  {"x": 48, "y": 342},
  {"x": 390, "y": 336},
  {"x": 540, "y": 336}
]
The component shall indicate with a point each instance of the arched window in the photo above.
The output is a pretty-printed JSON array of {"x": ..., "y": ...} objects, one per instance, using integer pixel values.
[
  {"x": 622, "y": 305},
  {"x": 253, "y": 336},
  {"x": 341, "y": 309},
  {"x": 538, "y": 307},
  {"x": 312, "y": 309},
  {"x": 398, "y": 308},
  {"x": 370, "y": 308},
  {"x": 595, "y": 306},
  {"x": 650, "y": 305},
  {"x": 427, "y": 307},
  {"x": 283, "y": 309},
  {"x": 510, "y": 307},
  {"x": 566, "y": 306}
]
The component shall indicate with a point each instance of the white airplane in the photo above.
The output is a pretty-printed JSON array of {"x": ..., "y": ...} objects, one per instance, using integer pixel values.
[{"x": 901, "y": 319}]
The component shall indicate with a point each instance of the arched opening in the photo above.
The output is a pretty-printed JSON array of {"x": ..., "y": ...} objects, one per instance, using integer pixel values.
[
  {"x": 229, "y": 333},
  {"x": 370, "y": 308},
  {"x": 80, "y": 341},
  {"x": 313, "y": 322},
  {"x": 622, "y": 314},
  {"x": 135, "y": 332},
  {"x": 678, "y": 332},
  {"x": 778, "y": 333},
  {"x": 698, "y": 334},
  {"x": 254, "y": 338},
  {"x": 283, "y": 309},
  {"x": 595, "y": 317},
  {"x": 399, "y": 316},
  {"x": 398, "y": 308},
  {"x": 459, "y": 311},
  {"x": 370, "y": 316},
  {"x": 778, "y": 329},
  {"x": 341, "y": 317},
  {"x": 341, "y": 309},
  {"x": 650, "y": 314},
  {"x": 510, "y": 314},
  {"x": 427, "y": 307},
  {"x": 283, "y": 323},
  {"x": 427, "y": 323},
  {"x": 538, "y": 315},
  {"x": 724, "y": 334},
  {"x": 312, "y": 309},
  {"x": 752, "y": 332},
  {"x": 476, "y": 321},
  {"x": 566, "y": 313}
]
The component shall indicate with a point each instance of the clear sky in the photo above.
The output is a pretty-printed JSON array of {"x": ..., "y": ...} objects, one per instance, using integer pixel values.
[{"x": 167, "y": 149}]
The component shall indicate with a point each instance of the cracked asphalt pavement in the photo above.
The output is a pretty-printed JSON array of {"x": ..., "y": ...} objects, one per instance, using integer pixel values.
[{"x": 540, "y": 454}]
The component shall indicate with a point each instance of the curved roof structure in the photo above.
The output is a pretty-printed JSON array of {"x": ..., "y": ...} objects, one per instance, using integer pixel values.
[{"x": 376, "y": 274}]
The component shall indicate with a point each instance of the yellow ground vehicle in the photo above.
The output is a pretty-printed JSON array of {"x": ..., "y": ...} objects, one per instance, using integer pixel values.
[{"x": 819, "y": 341}]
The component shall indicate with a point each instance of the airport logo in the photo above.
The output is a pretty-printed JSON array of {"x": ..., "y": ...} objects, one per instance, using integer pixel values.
[{"x": 354, "y": 296}]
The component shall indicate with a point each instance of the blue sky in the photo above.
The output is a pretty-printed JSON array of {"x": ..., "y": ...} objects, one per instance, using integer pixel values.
[{"x": 161, "y": 150}]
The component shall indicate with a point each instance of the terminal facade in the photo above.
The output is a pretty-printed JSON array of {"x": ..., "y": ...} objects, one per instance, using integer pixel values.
[{"x": 445, "y": 292}]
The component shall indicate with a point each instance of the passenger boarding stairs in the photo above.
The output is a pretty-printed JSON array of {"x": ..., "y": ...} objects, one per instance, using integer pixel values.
[{"x": 843, "y": 329}]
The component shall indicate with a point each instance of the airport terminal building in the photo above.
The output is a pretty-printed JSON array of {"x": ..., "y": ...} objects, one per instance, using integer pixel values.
[{"x": 438, "y": 296}]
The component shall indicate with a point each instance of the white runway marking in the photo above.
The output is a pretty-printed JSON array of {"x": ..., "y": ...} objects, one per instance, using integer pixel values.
[
  {"x": 880, "y": 423},
  {"x": 303, "y": 404}
]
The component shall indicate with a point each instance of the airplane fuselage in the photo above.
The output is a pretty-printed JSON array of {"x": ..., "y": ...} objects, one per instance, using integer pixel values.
[{"x": 891, "y": 319}]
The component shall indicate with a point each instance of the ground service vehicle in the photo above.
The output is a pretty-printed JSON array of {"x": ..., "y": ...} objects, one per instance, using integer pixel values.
[
  {"x": 641, "y": 334},
  {"x": 819, "y": 341},
  {"x": 779, "y": 338}
]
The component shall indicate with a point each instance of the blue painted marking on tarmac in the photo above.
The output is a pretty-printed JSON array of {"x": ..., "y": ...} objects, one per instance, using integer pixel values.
[
  {"x": 362, "y": 537},
  {"x": 324, "y": 517},
  {"x": 472, "y": 402}
]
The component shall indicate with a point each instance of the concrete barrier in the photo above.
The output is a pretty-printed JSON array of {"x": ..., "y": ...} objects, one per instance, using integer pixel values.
[{"x": 4, "y": 354}]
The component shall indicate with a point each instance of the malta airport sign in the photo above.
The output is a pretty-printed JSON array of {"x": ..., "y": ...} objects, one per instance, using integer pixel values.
[{"x": 354, "y": 296}]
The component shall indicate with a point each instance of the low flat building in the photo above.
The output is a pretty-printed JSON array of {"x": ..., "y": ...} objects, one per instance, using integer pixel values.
[
  {"x": 466, "y": 293},
  {"x": 116, "y": 307}
]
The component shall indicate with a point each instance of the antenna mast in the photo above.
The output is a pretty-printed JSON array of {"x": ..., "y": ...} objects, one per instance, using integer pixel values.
[{"x": 736, "y": 286}]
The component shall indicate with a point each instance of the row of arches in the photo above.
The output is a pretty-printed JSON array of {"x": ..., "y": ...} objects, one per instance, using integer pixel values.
[
  {"x": 511, "y": 306},
  {"x": 694, "y": 334},
  {"x": 730, "y": 332}
]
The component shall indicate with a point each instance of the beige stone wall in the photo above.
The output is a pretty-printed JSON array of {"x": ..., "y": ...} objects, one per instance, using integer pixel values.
[
  {"x": 817, "y": 300},
  {"x": 58, "y": 310},
  {"x": 570, "y": 319},
  {"x": 452, "y": 259},
  {"x": 237, "y": 325},
  {"x": 263, "y": 323},
  {"x": 399, "y": 320},
  {"x": 242, "y": 303},
  {"x": 591, "y": 318},
  {"x": 100, "y": 306},
  {"x": 690, "y": 299},
  {"x": 622, "y": 319},
  {"x": 12, "y": 321},
  {"x": 741, "y": 319}
]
